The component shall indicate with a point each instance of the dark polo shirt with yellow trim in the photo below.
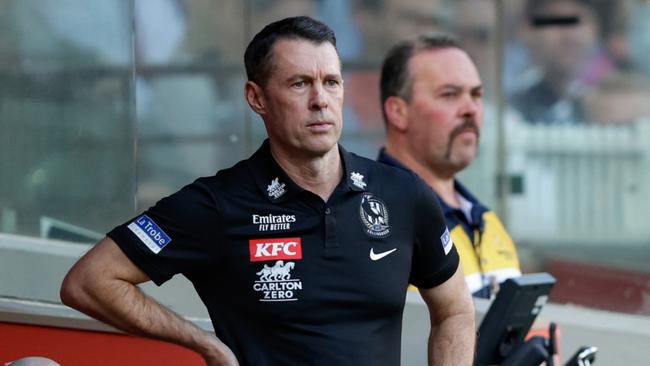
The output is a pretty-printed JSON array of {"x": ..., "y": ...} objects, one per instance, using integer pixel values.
[
  {"x": 487, "y": 252},
  {"x": 289, "y": 279}
]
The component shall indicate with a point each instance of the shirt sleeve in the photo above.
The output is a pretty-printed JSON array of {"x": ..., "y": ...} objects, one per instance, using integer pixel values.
[
  {"x": 435, "y": 258},
  {"x": 177, "y": 235}
]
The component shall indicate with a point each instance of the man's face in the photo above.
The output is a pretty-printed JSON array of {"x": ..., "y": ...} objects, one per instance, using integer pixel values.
[
  {"x": 304, "y": 97},
  {"x": 445, "y": 112},
  {"x": 562, "y": 50}
]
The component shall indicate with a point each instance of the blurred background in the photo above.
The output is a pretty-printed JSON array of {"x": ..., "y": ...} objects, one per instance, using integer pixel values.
[{"x": 108, "y": 105}]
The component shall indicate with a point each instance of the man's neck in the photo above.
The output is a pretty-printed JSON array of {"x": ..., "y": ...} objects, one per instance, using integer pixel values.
[
  {"x": 559, "y": 84},
  {"x": 443, "y": 185},
  {"x": 319, "y": 175}
]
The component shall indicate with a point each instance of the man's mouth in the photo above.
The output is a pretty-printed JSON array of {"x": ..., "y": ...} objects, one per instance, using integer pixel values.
[{"x": 320, "y": 125}]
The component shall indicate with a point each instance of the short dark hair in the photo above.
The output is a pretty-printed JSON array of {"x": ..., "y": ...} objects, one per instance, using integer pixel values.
[
  {"x": 395, "y": 78},
  {"x": 257, "y": 57},
  {"x": 606, "y": 13},
  {"x": 532, "y": 8}
]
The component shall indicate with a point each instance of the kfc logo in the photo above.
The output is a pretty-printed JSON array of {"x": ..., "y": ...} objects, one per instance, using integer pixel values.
[{"x": 274, "y": 249}]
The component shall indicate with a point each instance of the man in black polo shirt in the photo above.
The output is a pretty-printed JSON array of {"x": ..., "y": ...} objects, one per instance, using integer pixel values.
[{"x": 302, "y": 253}]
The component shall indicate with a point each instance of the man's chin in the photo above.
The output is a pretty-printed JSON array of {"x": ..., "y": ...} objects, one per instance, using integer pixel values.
[
  {"x": 321, "y": 146},
  {"x": 462, "y": 162},
  {"x": 324, "y": 142}
]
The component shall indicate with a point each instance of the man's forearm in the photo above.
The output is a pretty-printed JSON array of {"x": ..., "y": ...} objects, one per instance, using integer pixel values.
[
  {"x": 126, "y": 307},
  {"x": 451, "y": 312},
  {"x": 131, "y": 310},
  {"x": 453, "y": 342},
  {"x": 103, "y": 284}
]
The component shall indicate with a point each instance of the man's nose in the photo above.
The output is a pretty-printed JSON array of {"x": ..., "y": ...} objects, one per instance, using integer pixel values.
[
  {"x": 470, "y": 105},
  {"x": 318, "y": 99}
]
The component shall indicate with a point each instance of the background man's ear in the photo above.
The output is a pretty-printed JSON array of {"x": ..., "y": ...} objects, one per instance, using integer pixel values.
[
  {"x": 396, "y": 112},
  {"x": 255, "y": 97}
]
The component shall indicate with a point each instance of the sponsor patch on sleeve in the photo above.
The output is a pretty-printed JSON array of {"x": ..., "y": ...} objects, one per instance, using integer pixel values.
[
  {"x": 445, "y": 238},
  {"x": 149, "y": 233}
]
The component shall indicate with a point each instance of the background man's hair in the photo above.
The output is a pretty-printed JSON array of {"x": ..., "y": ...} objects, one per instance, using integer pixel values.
[
  {"x": 258, "y": 57},
  {"x": 532, "y": 8},
  {"x": 395, "y": 78},
  {"x": 607, "y": 14}
]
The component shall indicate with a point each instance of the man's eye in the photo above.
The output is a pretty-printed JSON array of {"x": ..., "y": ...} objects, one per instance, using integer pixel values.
[
  {"x": 333, "y": 82},
  {"x": 299, "y": 84}
]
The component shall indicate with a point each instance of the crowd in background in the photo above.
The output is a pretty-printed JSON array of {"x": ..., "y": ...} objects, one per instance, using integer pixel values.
[{"x": 174, "y": 90}]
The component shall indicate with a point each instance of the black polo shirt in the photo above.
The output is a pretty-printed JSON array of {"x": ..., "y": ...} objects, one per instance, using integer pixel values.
[{"x": 289, "y": 279}]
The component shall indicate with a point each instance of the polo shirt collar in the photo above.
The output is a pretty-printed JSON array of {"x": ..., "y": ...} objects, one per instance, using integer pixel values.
[
  {"x": 386, "y": 158},
  {"x": 477, "y": 208},
  {"x": 278, "y": 187},
  {"x": 269, "y": 176},
  {"x": 354, "y": 170}
]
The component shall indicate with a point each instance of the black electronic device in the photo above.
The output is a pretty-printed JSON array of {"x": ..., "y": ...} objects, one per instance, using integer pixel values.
[{"x": 510, "y": 316}]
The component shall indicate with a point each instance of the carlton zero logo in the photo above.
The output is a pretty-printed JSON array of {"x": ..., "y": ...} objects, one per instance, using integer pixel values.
[{"x": 275, "y": 282}]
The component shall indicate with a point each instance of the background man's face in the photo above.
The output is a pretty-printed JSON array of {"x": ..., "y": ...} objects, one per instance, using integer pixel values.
[
  {"x": 561, "y": 50},
  {"x": 445, "y": 113},
  {"x": 304, "y": 96}
]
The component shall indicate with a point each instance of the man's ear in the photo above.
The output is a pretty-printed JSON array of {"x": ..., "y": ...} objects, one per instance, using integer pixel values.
[
  {"x": 396, "y": 112},
  {"x": 255, "y": 97}
]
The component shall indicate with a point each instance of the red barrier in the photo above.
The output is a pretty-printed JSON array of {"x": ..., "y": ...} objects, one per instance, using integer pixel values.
[
  {"x": 600, "y": 287},
  {"x": 70, "y": 347}
]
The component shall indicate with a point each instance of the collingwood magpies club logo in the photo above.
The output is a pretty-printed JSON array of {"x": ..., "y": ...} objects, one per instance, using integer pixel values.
[{"x": 374, "y": 215}]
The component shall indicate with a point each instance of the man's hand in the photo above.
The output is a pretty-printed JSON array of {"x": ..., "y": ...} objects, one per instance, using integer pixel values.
[{"x": 219, "y": 355}]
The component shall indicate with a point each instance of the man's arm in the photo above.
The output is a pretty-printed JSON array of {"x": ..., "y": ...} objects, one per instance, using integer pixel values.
[
  {"x": 453, "y": 332},
  {"x": 103, "y": 283}
]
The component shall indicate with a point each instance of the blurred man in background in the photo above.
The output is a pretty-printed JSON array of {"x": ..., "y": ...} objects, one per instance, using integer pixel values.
[
  {"x": 431, "y": 95},
  {"x": 562, "y": 39}
]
